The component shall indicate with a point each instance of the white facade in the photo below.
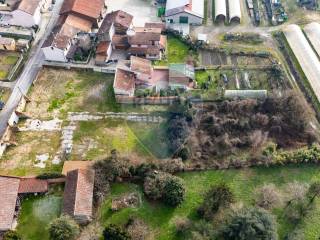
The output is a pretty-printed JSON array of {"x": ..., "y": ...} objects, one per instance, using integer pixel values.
[
  {"x": 234, "y": 10},
  {"x": 182, "y": 12},
  {"x": 54, "y": 54},
  {"x": 192, "y": 19}
]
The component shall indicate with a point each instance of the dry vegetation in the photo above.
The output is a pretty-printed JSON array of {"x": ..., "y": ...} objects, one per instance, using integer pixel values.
[{"x": 233, "y": 132}]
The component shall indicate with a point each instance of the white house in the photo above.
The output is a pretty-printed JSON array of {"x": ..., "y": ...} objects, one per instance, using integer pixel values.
[
  {"x": 26, "y": 14},
  {"x": 184, "y": 12}
]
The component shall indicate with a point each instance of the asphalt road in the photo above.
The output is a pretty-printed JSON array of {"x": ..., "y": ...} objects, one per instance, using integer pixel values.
[{"x": 32, "y": 67}]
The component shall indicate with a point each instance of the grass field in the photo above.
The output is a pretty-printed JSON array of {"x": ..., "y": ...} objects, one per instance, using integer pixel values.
[
  {"x": 7, "y": 61},
  {"x": 243, "y": 183},
  {"x": 36, "y": 213},
  {"x": 139, "y": 141},
  {"x": 177, "y": 52},
  {"x": 19, "y": 160}
]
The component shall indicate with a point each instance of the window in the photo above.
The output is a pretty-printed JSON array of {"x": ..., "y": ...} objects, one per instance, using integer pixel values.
[{"x": 184, "y": 19}]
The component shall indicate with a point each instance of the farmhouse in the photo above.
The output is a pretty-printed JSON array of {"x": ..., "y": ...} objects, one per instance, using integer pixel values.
[
  {"x": 25, "y": 13},
  {"x": 184, "y": 12},
  {"x": 78, "y": 195}
]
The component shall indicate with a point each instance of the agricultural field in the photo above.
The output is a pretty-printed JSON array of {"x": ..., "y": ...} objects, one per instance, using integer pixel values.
[
  {"x": 7, "y": 61},
  {"x": 161, "y": 219}
]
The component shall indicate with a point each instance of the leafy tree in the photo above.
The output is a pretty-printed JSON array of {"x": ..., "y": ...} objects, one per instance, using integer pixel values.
[
  {"x": 63, "y": 228},
  {"x": 217, "y": 197},
  {"x": 164, "y": 186},
  {"x": 114, "y": 232},
  {"x": 251, "y": 224},
  {"x": 11, "y": 235}
]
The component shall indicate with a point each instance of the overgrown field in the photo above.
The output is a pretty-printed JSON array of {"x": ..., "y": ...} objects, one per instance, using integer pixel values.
[
  {"x": 161, "y": 219},
  {"x": 7, "y": 61},
  {"x": 140, "y": 142}
]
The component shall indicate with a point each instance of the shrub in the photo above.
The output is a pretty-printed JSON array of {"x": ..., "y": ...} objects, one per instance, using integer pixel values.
[
  {"x": 219, "y": 196},
  {"x": 11, "y": 235},
  {"x": 183, "y": 225},
  {"x": 137, "y": 229},
  {"x": 268, "y": 196},
  {"x": 63, "y": 228},
  {"x": 251, "y": 223},
  {"x": 114, "y": 232},
  {"x": 172, "y": 165},
  {"x": 165, "y": 187},
  {"x": 45, "y": 176}
]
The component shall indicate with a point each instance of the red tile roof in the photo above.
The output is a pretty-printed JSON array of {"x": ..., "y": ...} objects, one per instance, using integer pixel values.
[
  {"x": 124, "y": 80},
  {"x": 78, "y": 193},
  {"x": 8, "y": 197},
  {"x": 141, "y": 65},
  {"x": 91, "y": 8},
  {"x": 33, "y": 185},
  {"x": 29, "y": 6}
]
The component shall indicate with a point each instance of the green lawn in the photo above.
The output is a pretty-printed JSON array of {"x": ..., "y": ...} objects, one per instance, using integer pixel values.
[
  {"x": 177, "y": 52},
  {"x": 7, "y": 61},
  {"x": 36, "y": 213},
  {"x": 243, "y": 183}
]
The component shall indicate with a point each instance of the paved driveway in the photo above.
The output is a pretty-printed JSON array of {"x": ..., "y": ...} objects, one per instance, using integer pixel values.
[{"x": 142, "y": 10}]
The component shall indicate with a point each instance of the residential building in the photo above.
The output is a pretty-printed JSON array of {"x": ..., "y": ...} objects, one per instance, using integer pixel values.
[
  {"x": 103, "y": 52},
  {"x": 139, "y": 73},
  {"x": 25, "y": 13},
  {"x": 181, "y": 76},
  {"x": 77, "y": 17},
  {"x": 184, "y": 12},
  {"x": 93, "y": 11},
  {"x": 78, "y": 195},
  {"x": 147, "y": 42}
]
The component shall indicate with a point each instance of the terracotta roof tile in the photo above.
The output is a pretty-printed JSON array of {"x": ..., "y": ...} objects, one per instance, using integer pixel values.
[
  {"x": 8, "y": 197},
  {"x": 90, "y": 8},
  {"x": 124, "y": 80},
  {"x": 78, "y": 193},
  {"x": 33, "y": 185}
]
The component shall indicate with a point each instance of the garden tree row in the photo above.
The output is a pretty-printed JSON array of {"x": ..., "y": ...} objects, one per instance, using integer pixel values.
[{"x": 158, "y": 185}]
